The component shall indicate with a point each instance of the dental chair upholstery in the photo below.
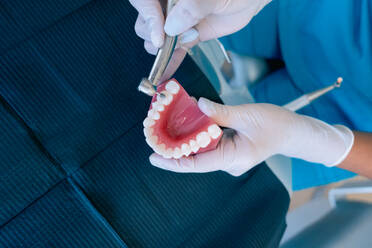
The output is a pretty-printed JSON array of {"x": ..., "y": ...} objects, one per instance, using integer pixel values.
[{"x": 73, "y": 159}]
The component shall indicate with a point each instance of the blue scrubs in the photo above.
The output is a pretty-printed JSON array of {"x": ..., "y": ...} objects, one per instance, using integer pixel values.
[{"x": 318, "y": 41}]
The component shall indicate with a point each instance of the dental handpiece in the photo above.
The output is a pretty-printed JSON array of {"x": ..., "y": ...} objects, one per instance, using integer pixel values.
[
  {"x": 162, "y": 59},
  {"x": 306, "y": 99}
]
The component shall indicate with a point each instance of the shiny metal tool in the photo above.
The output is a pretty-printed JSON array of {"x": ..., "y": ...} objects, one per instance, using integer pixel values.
[
  {"x": 306, "y": 99},
  {"x": 148, "y": 85}
]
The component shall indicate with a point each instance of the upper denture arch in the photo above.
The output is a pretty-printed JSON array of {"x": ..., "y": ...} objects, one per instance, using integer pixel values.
[{"x": 175, "y": 127}]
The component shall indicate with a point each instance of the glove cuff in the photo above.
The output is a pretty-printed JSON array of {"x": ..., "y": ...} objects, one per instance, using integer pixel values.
[{"x": 348, "y": 138}]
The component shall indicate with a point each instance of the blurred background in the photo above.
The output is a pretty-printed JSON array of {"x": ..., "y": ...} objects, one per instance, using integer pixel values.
[{"x": 334, "y": 215}]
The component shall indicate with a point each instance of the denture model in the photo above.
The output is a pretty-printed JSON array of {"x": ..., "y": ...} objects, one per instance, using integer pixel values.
[{"x": 175, "y": 127}]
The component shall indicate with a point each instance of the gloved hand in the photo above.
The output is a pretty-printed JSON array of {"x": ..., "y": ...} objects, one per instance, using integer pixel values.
[
  {"x": 193, "y": 20},
  {"x": 259, "y": 131}
]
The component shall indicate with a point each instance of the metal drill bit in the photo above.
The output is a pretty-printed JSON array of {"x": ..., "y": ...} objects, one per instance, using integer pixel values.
[
  {"x": 148, "y": 88},
  {"x": 161, "y": 95}
]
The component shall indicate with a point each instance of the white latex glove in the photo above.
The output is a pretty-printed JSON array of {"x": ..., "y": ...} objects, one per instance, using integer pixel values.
[
  {"x": 259, "y": 131},
  {"x": 193, "y": 20}
]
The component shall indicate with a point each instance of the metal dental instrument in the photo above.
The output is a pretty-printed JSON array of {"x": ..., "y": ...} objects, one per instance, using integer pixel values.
[
  {"x": 162, "y": 59},
  {"x": 223, "y": 50},
  {"x": 306, "y": 99}
]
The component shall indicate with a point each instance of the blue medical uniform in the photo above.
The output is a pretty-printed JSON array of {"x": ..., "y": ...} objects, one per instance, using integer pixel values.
[{"x": 318, "y": 42}]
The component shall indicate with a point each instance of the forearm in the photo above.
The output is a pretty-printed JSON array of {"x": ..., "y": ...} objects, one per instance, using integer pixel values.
[
  {"x": 359, "y": 159},
  {"x": 263, "y": 130}
]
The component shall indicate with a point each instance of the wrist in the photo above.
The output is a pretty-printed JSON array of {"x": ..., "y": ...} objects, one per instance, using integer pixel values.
[
  {"x": 347, "y": 137},
  {"x": 315, "y": 141}
]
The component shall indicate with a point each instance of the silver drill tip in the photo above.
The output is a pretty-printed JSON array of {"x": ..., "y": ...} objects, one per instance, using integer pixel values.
[
  {"x": 161, "y": 95},
  {"x": 338, "y": 82},
  {"x": 146, "y": 87}
]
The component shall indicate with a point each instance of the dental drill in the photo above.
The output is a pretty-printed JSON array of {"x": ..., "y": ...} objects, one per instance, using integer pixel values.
[
  {"x": 148, "y": 85},
  {"x": 162, "y": 59}
]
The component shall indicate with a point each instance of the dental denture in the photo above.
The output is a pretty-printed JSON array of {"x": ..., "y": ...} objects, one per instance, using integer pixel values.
[{"x": 175, "y": 127}]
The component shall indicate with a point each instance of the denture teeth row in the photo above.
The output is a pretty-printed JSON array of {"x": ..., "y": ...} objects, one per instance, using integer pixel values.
[
  {"x": 172, "y": 88},
  {"x": 203, "y": 139}
]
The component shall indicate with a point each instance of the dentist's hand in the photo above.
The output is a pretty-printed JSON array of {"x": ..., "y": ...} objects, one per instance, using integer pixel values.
[
  {"x": 259, "y": 131},
  {"x": 193, "y": 20}
]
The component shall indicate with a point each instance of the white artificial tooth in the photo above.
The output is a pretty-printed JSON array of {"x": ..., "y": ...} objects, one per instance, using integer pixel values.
[
  {"x": 186, "y": 150},
  {"x": 194, "y": 146},
  {"x": 156, "y": 115},
  {"x": 203, "y": 139},
  {"x": 148, "y": 122},
  {"x": 152, "y": 141},
  {"x": 177, "y": 153},
  {"x": 166, "y": 99},
  {"x": 158, "y": 106},
  {"x": 148, "y": 131},
  {"x": 153, "y": 114},
  {"x": 149, "y": 142},
  {"x": 168, "y": 153},
  {"x": 150, "y": 112},
  {"x": 172, "y": 87},
  {"x": 214, "y": 131},
  {"x": 160, "y": 149}
]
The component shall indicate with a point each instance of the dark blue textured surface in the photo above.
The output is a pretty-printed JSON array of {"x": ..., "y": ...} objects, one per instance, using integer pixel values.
[
  {"x": 74, "y": 78},
  {"x": 73, "y": 160},
  {"x": 190, "y": 210},
  {"x": 62, "y": 218},
  {"x": 26, "y": 170}
]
